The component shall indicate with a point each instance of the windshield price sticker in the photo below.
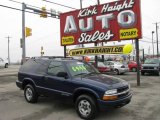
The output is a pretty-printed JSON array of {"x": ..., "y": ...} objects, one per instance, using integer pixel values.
[
  {"x": 78, "y": 68},
  {"x": 114, "y": 21}
]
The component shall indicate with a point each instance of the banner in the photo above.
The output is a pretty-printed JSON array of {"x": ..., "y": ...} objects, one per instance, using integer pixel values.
[
  {"x": 100, "y": 50},
  {"x": 114, "y": 21}
]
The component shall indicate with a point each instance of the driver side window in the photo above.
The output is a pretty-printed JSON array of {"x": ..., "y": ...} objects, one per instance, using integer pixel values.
[{"x": 55, "y": 67}]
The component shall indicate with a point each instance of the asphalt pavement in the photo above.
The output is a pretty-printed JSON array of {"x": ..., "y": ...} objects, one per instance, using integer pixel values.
[{"x": 10, "y": 71}]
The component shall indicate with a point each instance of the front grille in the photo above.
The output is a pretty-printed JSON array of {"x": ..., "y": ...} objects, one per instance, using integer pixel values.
[
  {"x": 122, "y": 95},
  {"x": 148, "y": 67},
  {"x": 122, "y": 89}
]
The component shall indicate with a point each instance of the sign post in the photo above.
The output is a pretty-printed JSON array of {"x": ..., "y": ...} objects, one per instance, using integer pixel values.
[{"x": 137, "y": 59}]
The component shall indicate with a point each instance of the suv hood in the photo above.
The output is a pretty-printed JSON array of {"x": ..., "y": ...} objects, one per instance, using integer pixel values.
[{"x": 103, "y": 81}]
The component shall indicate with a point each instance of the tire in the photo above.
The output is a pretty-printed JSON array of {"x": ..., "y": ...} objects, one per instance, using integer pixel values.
[
  {"x": 86, "y": 107},
  {"x": 117, "y": 71},
  {"x": 157, "y": 73},
  {"x": 30, "y": 94},
  {"x": 142, "y": 73},
  {"x": 134, "y": 69},
  {"x": 6, "y": 65}
]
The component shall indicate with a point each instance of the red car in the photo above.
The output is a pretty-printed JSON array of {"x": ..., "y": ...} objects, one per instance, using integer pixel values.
[
  {"x": 132, "y": 65},
  {"x": 102, "y": 67}
]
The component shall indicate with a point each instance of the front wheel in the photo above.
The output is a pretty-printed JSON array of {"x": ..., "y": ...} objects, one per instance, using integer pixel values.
[
  {"x": 134, "y": 69},
  {"x": 157, "y": 73},
  {"x": 86, "y": 107},
  {"x": 6, "y": 65},
  {"x": 30, "y": 94},
  {"x": 142, "y": 73}
]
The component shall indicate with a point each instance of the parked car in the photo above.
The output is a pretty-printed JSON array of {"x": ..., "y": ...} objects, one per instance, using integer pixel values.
[
  {"x": 151, "y": 66},
  {"x": 101, "y": 67},
  {"x": 90, "y": 90},
  {"x": 3, "y": 63},
  {"x": 117, "y": 67},
  {"x": 132, "y": 65}
]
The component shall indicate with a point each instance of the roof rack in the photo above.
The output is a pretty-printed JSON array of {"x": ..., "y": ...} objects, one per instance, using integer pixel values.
[{"x": 53, "y": 57}]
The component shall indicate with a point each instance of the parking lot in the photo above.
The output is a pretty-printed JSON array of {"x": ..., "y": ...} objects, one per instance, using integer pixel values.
[{"x": 145, "y": 104}]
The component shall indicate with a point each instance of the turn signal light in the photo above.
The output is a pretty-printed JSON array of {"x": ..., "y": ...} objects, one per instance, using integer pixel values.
[{"x": 110, "y": 97}]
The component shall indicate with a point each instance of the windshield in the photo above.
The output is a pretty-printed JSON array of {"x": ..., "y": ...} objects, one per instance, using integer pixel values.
[
  {"x": 101, "y": 64},
  {"x": 151, "y": 61},
  {"x": 117, "y": 63},
  {"x": 80, "y": 68}
]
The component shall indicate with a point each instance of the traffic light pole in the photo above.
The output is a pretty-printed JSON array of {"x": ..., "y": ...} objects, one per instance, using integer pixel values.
[{"x": 23, "y": 33}]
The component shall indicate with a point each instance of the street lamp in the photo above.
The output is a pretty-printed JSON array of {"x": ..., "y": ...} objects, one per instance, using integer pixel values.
[{"x": 152, "y": 43}]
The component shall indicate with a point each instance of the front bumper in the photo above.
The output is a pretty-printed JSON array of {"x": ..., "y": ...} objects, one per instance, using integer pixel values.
[
  {"x": 19, "y": 84},
  {"x": 103, "y": 105},
  {"x": 150, "y": 70},
  {"x": 123, "y": 70}
]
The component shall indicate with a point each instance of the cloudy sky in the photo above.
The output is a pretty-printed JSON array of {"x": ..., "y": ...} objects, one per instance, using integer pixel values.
[{"x": 46, "y": 31}]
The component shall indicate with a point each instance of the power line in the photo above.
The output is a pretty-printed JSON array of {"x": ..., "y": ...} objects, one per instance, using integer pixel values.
[
  {"x": 19, "y": 9},
  {"x": 148, "y": 39},
  {"x": 59, "y": 4}
]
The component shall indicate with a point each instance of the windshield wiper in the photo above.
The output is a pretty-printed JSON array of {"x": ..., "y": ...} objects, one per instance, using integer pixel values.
[
  {"x": 93, "y": 73},
  {"x": 80, "y": 74}
]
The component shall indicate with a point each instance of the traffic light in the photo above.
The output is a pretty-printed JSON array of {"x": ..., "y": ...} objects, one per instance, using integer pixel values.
[
  {"x": 42, "y": 52},
  {"x": 53, "y": 13},
  {"x": 28, "y": 31},
  {"x": 43, "y": 12}
]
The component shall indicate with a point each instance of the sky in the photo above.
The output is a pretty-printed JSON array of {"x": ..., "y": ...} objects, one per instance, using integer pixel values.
[{"x": 46, "y": 31}]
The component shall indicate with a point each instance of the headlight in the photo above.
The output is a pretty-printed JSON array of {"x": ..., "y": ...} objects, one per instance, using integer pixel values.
[
  {"x": 109, "y": 95},
  {"x": 110, "y": 92},
  {"x": 155, "y": 68}
]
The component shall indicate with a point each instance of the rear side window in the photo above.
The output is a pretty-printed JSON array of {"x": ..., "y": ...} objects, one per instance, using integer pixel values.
[
  {"x": 35, "y": 66},
  {"x": 55, "y": 67}
]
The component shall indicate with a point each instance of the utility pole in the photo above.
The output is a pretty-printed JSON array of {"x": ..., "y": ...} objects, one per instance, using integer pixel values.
[
  {"x": 8, "y": 50},
  {"x": 153, "y": 43},
  {"x": 23, "y": 33},
  {"x": 157, "y": 38},
  {"x": 96, "y": 57}
]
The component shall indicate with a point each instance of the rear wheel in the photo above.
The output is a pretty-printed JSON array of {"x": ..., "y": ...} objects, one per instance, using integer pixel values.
[
  {"x": 117, "y": 71},
  {"x": 86, "y": 107},
  {"x": 30, "y": 94}
]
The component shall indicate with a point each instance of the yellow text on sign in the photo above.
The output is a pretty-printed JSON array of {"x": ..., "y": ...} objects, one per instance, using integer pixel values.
[
  {"x": 128, "y": 33},
  {"x": 67, "y": 40}
]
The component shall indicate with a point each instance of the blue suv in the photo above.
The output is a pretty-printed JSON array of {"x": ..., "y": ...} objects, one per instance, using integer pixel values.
[{"x": 90, "y": 90}]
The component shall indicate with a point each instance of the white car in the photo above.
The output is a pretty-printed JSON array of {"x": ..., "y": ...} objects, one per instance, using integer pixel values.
[
  {"x": 3, "y": 63},
  {"x": 118, "y": 67}
]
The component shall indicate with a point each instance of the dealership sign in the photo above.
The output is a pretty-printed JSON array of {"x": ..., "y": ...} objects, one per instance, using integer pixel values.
[{"x": 120, "y": 20}]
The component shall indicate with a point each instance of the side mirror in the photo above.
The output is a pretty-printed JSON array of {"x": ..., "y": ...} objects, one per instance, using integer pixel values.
[{"x": 62, "y": 74}]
